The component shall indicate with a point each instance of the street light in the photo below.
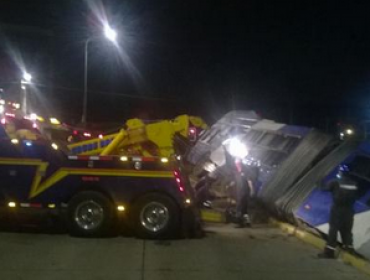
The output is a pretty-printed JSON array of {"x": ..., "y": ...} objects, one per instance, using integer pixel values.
[
  {"x": 27, "y": 78},
  {"x": 111, "y": 35}
]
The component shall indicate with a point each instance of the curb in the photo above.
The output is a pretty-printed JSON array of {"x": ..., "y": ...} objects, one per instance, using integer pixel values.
[{"x": 357, "y": 262}]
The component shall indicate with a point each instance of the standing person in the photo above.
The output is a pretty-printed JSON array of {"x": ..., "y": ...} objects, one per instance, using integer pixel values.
[
  {"x": 244, "y": 188},
  {"x": 345, "y": 193},
  {"x": 244, "y": 192}
]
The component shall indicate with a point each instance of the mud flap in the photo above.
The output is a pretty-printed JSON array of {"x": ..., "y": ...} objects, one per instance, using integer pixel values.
[{"x": 192, "y": 223}]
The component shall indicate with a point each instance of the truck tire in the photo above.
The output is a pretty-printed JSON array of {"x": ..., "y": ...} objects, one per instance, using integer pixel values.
[
  {"x": 90, "y": 214},
  {"x": 155, "y": 216}
]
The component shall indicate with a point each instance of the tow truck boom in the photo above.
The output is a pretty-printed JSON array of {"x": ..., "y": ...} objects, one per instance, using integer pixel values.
[{"x": 142, "y": 138}]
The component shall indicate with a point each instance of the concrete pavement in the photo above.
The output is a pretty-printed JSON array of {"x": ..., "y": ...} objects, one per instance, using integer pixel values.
[{"x": 226, "y": 253}]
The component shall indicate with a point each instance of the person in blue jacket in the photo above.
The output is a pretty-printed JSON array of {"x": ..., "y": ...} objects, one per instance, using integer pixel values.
[{"x": 345, "y": 193}]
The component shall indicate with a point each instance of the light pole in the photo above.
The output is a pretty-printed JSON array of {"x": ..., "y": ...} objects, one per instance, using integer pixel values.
[
  {"x": 111, "y": 35},
  {"x": 26, "y": 79}
]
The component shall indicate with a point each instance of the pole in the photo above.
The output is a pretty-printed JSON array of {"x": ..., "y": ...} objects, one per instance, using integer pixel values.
[
  {"x": 84, "y": 105},
  {"x": 24, "y": 99}
]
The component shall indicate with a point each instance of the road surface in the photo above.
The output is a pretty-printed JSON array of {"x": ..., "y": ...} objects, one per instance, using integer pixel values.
[{"x": 226, "y": 253}]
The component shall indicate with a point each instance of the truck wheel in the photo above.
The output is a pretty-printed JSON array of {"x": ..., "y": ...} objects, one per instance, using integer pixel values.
[
  {"x": 90, "y": 214},
  {"x": 155, "y": 216}
]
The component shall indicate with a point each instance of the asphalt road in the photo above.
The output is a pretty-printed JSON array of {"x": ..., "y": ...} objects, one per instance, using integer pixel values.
[{"x": 226, "y": 253}]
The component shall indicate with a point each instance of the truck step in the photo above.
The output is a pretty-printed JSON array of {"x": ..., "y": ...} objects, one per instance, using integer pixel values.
[{"x": 212, "y": 216}]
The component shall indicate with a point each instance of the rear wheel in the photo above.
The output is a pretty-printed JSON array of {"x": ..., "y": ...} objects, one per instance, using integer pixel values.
[
  {"x": 90, "y": 214},
  {"x": 155, "y": 216}
]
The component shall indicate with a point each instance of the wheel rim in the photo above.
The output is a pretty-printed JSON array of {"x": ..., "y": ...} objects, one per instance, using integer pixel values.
[
  {"x": 154, "y": 216},
  {"x": 89, "y": 215}
]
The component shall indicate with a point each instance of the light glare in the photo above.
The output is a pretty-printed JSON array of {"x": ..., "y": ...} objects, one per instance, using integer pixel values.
[
  {"x": 237, "y": 148},
  {"x": 12, "y": 204},
  {"x": 33, "y": 116},
  {"x": 27, "y": 77},
  {"x": 110, "y": 34},
  {"x": 164, "y": 160},
  {"x": 54, "y": 121},
  {"x": 124, "y": 158}
]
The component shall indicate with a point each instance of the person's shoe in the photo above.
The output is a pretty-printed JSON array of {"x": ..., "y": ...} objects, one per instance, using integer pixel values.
[
  {"x": 328, "y": 253},
  {"x": 207, "y": 204},
  {"x": 247, "y": 221}
]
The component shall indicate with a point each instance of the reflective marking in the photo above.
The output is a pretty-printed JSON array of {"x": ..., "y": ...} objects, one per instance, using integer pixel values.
[
  {"x": 63, "y": 172},
  {"x": 41, "y": 168},
  {"x": 149, "y": 159},
  {"x": 94, "y": 158},
  {"x": 35, "y": 205},
  {"x": 106, "y": 157},
  {"x": 31, "y": 205},
  {"x": 38, "y": 187},
  {"x": 19, "y": 161},
  {"x": 348, "y": 187}
]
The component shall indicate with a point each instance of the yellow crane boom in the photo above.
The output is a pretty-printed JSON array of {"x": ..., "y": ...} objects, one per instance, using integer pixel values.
[{"x": 141, "y": 138}]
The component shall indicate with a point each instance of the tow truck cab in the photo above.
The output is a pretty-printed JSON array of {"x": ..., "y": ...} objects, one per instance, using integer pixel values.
[{"x": 93, "y": 193}]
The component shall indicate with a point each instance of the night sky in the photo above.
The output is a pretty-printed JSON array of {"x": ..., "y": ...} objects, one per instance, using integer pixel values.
[{"x": 302, "y": 62}]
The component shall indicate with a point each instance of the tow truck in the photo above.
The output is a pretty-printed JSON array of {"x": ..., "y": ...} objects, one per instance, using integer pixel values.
[{"x": 150, "y": 192}]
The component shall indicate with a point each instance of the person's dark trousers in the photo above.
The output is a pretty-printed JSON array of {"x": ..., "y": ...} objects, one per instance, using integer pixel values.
[
  {"x": 242, "y": 200},
  {"x": 341, "y": 220}
]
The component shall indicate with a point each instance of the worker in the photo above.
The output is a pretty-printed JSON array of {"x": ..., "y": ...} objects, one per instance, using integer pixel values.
[
  {"x": 345, "y": 192},
  {"x": 244, "y": 189}
]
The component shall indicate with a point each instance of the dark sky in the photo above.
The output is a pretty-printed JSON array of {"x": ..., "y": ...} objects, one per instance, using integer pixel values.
[{"x": 304, "y": 62}]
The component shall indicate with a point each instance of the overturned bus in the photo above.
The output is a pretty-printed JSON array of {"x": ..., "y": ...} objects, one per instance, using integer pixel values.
[{"x": 292, "y": 162}]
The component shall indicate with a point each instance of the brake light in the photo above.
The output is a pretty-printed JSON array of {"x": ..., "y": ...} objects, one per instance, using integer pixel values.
[
  {"x": 179, "y": 182},
  {"x": 192, "y": 134}
]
